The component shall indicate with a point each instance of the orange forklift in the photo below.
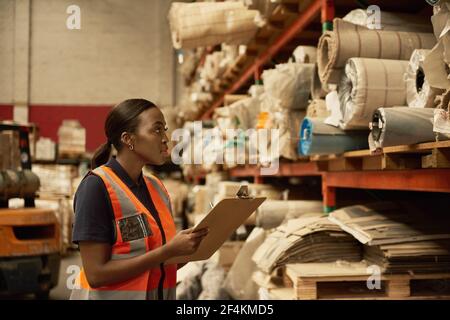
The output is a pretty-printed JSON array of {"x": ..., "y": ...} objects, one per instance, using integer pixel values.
[{"x": 29, "y": 237}]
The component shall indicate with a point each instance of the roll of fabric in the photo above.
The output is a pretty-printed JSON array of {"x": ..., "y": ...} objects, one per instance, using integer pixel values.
[
  {"x": 392, "y": 21},
  {"x": 318, "y": 90},
  {"x": 305, "y": 54},
  {"x": 348, "y": 40},
  {"x": 392, "y": 127},
  {"x": 272, "y": 213},
  {"x": 202, "y": 24},
  {"x": 317, "y": 138},
  {"x": 367, "y": 85},
  {"x": 419, "y": 94}
]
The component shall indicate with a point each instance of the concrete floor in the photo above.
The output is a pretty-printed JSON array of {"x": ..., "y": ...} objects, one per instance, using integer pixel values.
[{"x": 61, "y": 291}]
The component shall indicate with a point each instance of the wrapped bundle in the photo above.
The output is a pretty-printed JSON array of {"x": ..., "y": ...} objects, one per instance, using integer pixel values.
[
  {"x": 392, "y": 127},
  {"x": 348, "y": 40},
  {"x": 318, "y": 138},
  {"x": 441, "y": 18},
  {"x": 289, "y": 84},
  {"x": 288, "y": 124},
  {"x": 367, "y": 85},
  {"x": 436, "y": 64},
  {"x": 419, "y": 94},
  {"x": 202, "y": 24}
]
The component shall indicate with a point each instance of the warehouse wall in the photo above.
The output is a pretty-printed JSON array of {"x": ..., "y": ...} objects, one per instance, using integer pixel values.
[{"x": 123, "y": 50}]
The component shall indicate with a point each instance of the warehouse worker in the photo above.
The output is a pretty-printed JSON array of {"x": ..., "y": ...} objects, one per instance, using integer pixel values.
[{"x": 123, "y": 221}]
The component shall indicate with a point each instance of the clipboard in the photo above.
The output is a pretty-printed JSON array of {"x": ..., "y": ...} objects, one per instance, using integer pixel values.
[{"x": 222, "y": 221}]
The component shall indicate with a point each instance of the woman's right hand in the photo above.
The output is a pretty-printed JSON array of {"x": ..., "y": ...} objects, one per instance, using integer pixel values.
[{"x": 186, "y": 242}]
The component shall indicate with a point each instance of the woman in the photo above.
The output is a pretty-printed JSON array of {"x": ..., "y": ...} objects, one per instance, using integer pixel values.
[{"x": 123, "y": 222}]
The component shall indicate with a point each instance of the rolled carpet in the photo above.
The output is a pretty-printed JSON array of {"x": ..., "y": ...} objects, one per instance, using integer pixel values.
[
  {"x": 369, "y": 84},
  {"x": 318, "y": 89},
  {"x": 317, "y": 138},
  {"x": 348, "y": 40},
  {"x": 419, "y": 94},
  {"x": 393, "y": 127}
]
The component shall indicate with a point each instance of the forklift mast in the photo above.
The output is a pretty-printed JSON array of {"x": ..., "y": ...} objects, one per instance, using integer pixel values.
[{"x": 25, "y": 156}]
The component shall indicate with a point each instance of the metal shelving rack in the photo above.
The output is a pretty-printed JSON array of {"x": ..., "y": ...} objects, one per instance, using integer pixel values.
[{"x": 422, "y": 180}]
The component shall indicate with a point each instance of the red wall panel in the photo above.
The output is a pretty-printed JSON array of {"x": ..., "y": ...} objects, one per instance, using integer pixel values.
[
  {"x": 6, "y": 112},
  {"x": 92, "y": 118}
]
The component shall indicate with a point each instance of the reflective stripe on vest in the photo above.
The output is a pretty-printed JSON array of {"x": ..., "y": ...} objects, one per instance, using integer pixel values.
[{"x": 125, "y": 204}]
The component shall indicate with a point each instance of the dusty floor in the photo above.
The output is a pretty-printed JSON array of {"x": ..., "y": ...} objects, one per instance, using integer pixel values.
[{"x": 61, "y": 292}]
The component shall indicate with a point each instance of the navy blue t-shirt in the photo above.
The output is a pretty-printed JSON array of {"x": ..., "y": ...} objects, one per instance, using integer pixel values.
[{"x": 94, "y": 216}]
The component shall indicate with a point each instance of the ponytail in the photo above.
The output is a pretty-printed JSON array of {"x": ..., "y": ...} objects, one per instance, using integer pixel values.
[{"x": 101, "y": 155}]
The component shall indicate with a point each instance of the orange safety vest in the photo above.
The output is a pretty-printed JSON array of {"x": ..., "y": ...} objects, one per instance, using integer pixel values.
[{"x": 156, "y": 283}]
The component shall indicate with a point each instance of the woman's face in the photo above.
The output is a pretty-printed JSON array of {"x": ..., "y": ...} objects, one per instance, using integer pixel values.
[{"x": 150, "y": 141}]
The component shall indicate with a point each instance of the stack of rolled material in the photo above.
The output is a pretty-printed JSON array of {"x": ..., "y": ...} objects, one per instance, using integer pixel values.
[
  {"x": 401, "y": 126},
  {"x": 310, "y": 238},
  {"x": 202, "y": 24},
  {"x": 272, "y": 213},
  {"x": 348, "y": 40},
  {"x": 367, "y": 85},
  {"x": 318, "y": 138},
  {"x": 419, "y": 94},
  {"x": 289, "y": 84}
]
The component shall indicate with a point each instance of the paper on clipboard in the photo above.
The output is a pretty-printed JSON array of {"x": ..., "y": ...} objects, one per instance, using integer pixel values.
[{"x": 222, "y": 221}]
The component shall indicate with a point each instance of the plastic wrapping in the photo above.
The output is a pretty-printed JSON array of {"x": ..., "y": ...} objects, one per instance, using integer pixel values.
[
  {"x": 289, "y": 84},
  {"x": 401, "y": 126},
  {"x": 419, "y": 94},
  {"x": 305, "y": 54},
  {"x": 348, "y": 40},
  {"x": 317, "y": 109},
  {"x": 317, "y": 138},
  {"x": 369, "y": 84}
]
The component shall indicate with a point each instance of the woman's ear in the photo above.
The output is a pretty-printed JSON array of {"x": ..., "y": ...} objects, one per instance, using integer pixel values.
[{"x": 126, "y": 138}]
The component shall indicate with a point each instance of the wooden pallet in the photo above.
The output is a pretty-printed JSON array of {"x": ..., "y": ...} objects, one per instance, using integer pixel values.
[
  {"x": 424, "y": 155},
  {"x": 316, "y": 281}
]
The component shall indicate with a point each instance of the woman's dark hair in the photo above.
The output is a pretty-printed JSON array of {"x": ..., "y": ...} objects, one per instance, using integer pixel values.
[{"x": 122, "y": 118}]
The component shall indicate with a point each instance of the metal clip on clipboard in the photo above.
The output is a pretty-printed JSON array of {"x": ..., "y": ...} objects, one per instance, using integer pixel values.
[{"x": 243, "y": 193}]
